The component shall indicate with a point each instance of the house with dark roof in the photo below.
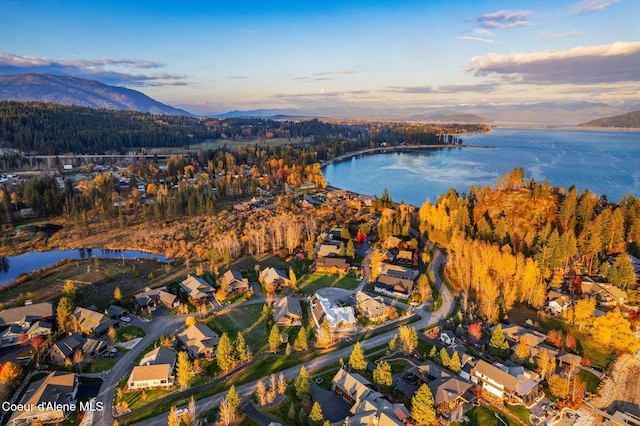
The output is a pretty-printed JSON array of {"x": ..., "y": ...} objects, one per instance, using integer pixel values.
[
  {"x": 48, "y": 400},
  {"x": 199, "y": 340},
  {"x": 91, "y": 322},
  {"x": 235, "y": 282},
  {"x": 156, "y": 297},
  {"x": 40, "y": 328},
  {"x": 452, "y": 394},
  {"x": 11, "y": 335},
  {"x": 287, "y": 312},
  {"x": 196, "y": 288},
  {"x": 115, "y": 311},
  {"x": 65, "y": 349},
  {"x": 394, "y": 286}
]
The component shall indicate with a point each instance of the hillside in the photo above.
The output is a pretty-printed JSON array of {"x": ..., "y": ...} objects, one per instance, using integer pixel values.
[
  {"x": 630, "y": 120},
  {"x": 79, "y": 92}
]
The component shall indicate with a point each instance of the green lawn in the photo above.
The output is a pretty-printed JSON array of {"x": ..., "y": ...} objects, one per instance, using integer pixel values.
[
  {"x": 486, "y": 416},
  {"x": 310, "y": 283},
  {"x": 265, "y": 261},
  {"x": 399, "y": 365},
  {"x": 135, "y": 399},
  {"x": 591, "y": 380},
  {"x": 130, "y": 332},
  {"x": 247, "y": 319},
  {"x": 520, "y": 412}
]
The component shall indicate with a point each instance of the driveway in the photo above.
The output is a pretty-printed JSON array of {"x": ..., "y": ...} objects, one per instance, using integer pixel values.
[{"x": 334, "y": 408}]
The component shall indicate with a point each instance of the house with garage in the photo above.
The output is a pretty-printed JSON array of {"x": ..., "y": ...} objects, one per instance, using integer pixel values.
[
  {"x": 235, "y": 282},
  {"x": 287, "y": 312},
  {"x": 199, "y": 340},
  {"x": 25, "y": 316},
  {"x": 274, "y": 278},
  {"x": 155, "y": 370},
  {"x": 447, "y": 337},
  {"x": 40, "y": 328},
  {"x": 11, "y": 335},
  {"x": 152, "y": 298},
  {"x": 510, "y": 384},
  {"x": 371, "y": 308},
  {"x": 394, "y": 286},
  {"x": 557, "y": 303},
  {"x": 88, "y": 321},
  {"x": 65, "y": 350},
  {"x": 49, "y": 400},
  {"x": 196, "y": 289},
  {"x": 340, "y": 318},
  {"x": 332, "y": 265}
]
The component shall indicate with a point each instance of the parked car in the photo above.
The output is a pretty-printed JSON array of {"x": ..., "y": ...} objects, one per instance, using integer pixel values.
[{"x": 125, "y": 319}]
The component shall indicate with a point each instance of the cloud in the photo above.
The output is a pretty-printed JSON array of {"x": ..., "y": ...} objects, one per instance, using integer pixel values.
[
  {"x": 589, "y": 6},
  {"x": 324, "y": 75},
  {"x": 452, "y": 88},
  {"x": 608, "y": 63},
  {"x": 409, "y": 89},
  {"x": 505, "y": 19},
  {"x": 237, "y": 77},
  {"x": 476, "y": 39},
  {"x": 551, "y": 35},
  {"x": 117, "y": 71},
  {"x": 322, "y": 94}
]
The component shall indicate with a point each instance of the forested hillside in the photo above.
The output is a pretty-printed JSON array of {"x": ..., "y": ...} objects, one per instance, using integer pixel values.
[{"x": 628, "y": 121}]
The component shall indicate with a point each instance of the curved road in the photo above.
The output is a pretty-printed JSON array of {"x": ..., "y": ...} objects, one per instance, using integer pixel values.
[{"x": 247, "y": 389}]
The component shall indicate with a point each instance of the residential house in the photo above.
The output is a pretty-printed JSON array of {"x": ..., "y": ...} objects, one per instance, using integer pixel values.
[
  {"x": 329, "y": 249},
  {"x": 199, "y": 340},
  {"x": 155, "y": 370},
  {"x": 369, "y": 407},
  {"x": 11, "y": 335},
  {"x": 196, "y": 288},
  {"x": 65, "y": 349},
  {"x": 371, "y": 308},
  {"x": 451, "y": 393},
  {"x": 88, "y": 321},
  {"x": 338, "y": 317},
  {"x": 115, "y": 312},
  {"x": 40, "y": 328},
  {"x": 394, "y": 287},
  {"x": 398, "y": 271},
  {"x": 25, "y": 316},
  {"x": 508, "y": 384},
  {"x": 48, "y": 400},
  {"x": 287, "y": 312},
  {"x": 514, "y": 334},
  {"x": 274, "y": 278},
  {"x": 447, "y": 337},
  {"x": 156, "y": 297},
  {"x": 234, "y": 281},
  {"x": 607, "y": 295},
  {"x": 558, "y": 303},
  {"x": 332, "y": 265}
]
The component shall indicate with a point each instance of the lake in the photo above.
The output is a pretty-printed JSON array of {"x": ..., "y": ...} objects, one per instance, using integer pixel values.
[
  {"x": 12, "y": 266},
  {"x": 606, "y": 162}
]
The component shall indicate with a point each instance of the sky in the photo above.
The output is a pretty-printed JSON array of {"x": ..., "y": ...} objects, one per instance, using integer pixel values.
[{"x": 333, "y": 56}]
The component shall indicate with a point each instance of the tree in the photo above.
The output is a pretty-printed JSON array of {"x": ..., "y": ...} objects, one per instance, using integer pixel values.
[
  {"x": 408, "y": 339},
  {"x": 455, "y": 363},
  {"x": 423, "y": 287},
  {"x": 184, "y": 370},
  {"x": 63, "y": 312},
  {"x": 172, "y": 418},
  {"x": 522, "y": 349},
  {"x": 443, "y": 358},
  {"x": 242, "y": 350},
  {"x": 546, "y": 364},
  {"x": 422, "y": 406},
  {"x": 351, "y": 250},
  {"x": 274, "y": 338},
  {"x": 614, "y": 331},
  {"x": 621, "y": 273},
  {"x": 10, "y": 372},
  {"x": 558, "y": 386},
  {"x": 324, "y": 336},
  {"x": 69, "y": 290},
  {"x": 498, "y": 345},
  {"x": 301, "y": 343},
  {"x": 261, "y": 393},
  {"x": 112, "y": 334},
  {"x": 117, "y": 294},
  {"x": 303, "y": 388},
  {"x": 190, "y": 321},
  {"x": 282, "y": 384},
  {"x": 583, "y": 312},
  {"x": 316, "y": 413},
  {"x": 224, "y": 354},
  {"x": 234, "y": 400},
  {"x": 357, "y": 360},
  {"x": 475, "y": 331},
  {"x": 226, "y": 415},
  {"x": 293, "y": 279},
  {"x": 382, "y": 374}
]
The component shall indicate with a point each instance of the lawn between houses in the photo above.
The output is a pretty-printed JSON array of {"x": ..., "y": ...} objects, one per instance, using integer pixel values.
[{"x": 311, "y": 283}]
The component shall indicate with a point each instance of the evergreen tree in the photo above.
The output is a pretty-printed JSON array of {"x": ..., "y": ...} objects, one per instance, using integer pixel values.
[
  {"x": 357, "y": 360},
  {"x": 301, "y": 343},
  {"x": 293, "y": 279},
  {"x": 303, "y": 388},
  {"x": 351, "y": 250},
  {"x": 234, "y": 400},
  {"x": 316, "y": 413},
  {"x": 443, "y": 358},
  {"x": 498, "y": 345},
  {"x": 242, "y": 350},
  {"x": 382, "y": 374},
  {"x": 422, "y": 406},
  {"x": 184, "y": 370},
  {"x": 454, "y": 363},
  {"x": 224, "y": 354},
  {"x": 323, "y": 337},
  {"x": 63, "y": 312},
  {"x": 69, "y": 290},
  {"x": 274, "y": 339}
]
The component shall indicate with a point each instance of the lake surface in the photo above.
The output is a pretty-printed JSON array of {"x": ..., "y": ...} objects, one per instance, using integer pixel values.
[
  {"x": 12, "y": 266},
  {"x": 606, "y": 162}
]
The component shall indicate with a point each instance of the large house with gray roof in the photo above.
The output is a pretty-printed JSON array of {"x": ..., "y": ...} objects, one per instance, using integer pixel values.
[{"x": 48, "y": 400}]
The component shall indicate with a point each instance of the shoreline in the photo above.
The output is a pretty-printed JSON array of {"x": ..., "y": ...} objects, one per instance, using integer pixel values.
[{"x": 398, "y": 148}]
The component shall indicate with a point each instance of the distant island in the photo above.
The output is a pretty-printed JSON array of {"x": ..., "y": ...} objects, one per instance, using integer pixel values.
[{"x": 629, "y": 121}]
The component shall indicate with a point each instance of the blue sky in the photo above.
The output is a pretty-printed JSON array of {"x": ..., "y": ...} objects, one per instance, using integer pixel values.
[{"x": 216, "y": 56}]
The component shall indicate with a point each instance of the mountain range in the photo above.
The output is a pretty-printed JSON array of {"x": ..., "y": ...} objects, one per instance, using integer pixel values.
[
  {"x": 81, "y": 92},
  {"x": 76, "y": 91},
  {"x": 630, "y": 121}
]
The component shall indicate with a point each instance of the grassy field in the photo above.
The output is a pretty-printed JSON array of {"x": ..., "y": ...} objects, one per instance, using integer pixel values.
[
  {"x": 520, "y": 412},
  {"x": 130, "y": 332},
  {"x": 486, "y": 416},
  {"x": 95, "y": 280},
  {"x": 310, "y": 283},
  {"x": 591, "y": 380},
  {"x": 247, "y": 319},
  {"x": 265, "y": 261}
]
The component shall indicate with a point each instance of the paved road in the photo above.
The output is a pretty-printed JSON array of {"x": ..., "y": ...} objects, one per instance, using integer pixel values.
[{"x": 426, "y": 319}]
